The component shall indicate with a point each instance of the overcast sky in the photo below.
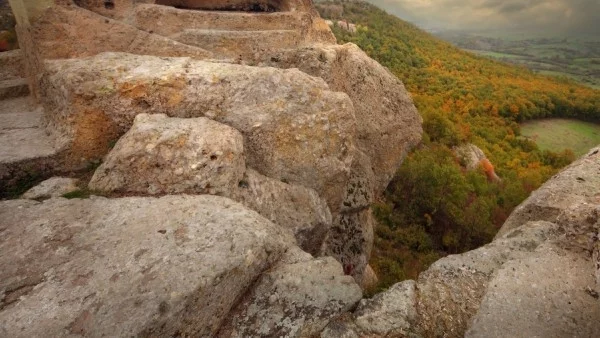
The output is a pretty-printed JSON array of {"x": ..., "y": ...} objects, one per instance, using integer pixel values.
[{"x": 557, "y": 16}]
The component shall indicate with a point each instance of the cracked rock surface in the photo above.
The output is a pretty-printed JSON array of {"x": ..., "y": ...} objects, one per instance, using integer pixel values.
[{"x": 142, "y": 266}]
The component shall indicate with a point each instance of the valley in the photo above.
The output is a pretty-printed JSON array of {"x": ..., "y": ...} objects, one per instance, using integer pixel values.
[
  {"x": 434, "y": 206},
  {"x": 574, "y": 58}
]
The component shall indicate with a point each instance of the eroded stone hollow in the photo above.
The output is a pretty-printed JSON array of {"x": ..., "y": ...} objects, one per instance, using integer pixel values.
[{"x": 229, "y": 5}]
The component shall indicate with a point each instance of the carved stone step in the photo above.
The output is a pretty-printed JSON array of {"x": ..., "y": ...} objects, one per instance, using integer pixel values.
[
  {"x": 13, "y": 88},
  {"x": 26, "y": 150},
  {"x": 234, "y": 44},
  {"x": 166, "y": 21},
  {"x": 11, "y": 65}
]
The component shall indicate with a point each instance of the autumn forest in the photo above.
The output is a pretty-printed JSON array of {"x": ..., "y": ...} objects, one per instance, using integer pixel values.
[{"x": 434, "y": 206}]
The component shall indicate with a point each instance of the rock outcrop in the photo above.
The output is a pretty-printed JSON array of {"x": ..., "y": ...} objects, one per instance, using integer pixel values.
[
  {"x": 250, "y": 100},
  {"x": 329, "y": 120},
  {"x": 472, "y": 157},
  {"x": 253, "y": 101},
  {"x": 537, "y": 278},
  {"x": 169, "y": 266},
  {"x": 295, "y": 129},
  {"x": 385, "y": 115}
]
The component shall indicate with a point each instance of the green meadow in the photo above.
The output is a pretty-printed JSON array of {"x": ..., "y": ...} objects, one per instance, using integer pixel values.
[{"x": 560, "y": 134}]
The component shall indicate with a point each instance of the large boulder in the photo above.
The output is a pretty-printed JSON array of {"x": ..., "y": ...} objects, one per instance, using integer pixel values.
[
  {"x": 387, "y": 127},
  {"x": 388, "y": 124},
  {"x": 162, "y": 155},
  {"x": 169, "y": 266},
  {"x": 167, "y": 155},
  {"x": 536, "y": 278},
  {"x": 557, "y": 296},
  {"x": 295, "y": 129},
  {"x": 131, "y": 266}
]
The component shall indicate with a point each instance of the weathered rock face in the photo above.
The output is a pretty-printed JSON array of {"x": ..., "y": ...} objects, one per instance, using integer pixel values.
[
  {"x": 299, "y": 132},
  {"x": 294, "y": 128},
  {"x": 291, "y": 206},
  {"x": 580, "y": 184},
  {"x": 350, "y": 241},
  {"x": 162, "y": 155},
  {"x": 295, "y": 299},
  {"x": 52, "y": 187},
  {"x": 165, "y": 155},
  {"x": 385, "y": 113},
  {"x": 387, "y": 127},
  {"x": 150, "y": 267},
  {"x": 131, "y": 266},
  {"x": 536, "y": 278}
]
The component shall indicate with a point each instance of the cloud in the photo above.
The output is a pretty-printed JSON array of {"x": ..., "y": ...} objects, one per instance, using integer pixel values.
[{"x": 556, "y": 16}]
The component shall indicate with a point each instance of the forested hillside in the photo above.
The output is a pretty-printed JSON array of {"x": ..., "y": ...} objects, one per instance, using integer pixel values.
[{"x": 434, "y": 206}]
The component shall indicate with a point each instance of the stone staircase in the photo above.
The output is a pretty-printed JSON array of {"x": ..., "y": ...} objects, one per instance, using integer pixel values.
[
  {"x": 244, "y": 44},
  {"x": 226, "y": 34},
  {"x": 12, "y": 81},
  {"x": 26, "y": 150}
]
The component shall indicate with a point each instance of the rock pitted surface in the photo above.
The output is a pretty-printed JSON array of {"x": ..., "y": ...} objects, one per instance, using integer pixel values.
[
  {"x": 166, "y": 266},
  {"x": 537, "y": 278},
  {"x": 77, "y": 264},
  {"x": 165, "y": 155},
  {"x": 295, "y": 129},
  {"x": 291, "y": 206},
  {"x": 295, "y": 299},
  {"x": 162, "y": 155}
]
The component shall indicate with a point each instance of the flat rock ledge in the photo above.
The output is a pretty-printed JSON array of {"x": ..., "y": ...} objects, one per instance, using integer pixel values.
[{"x": 148, "y": 267}]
